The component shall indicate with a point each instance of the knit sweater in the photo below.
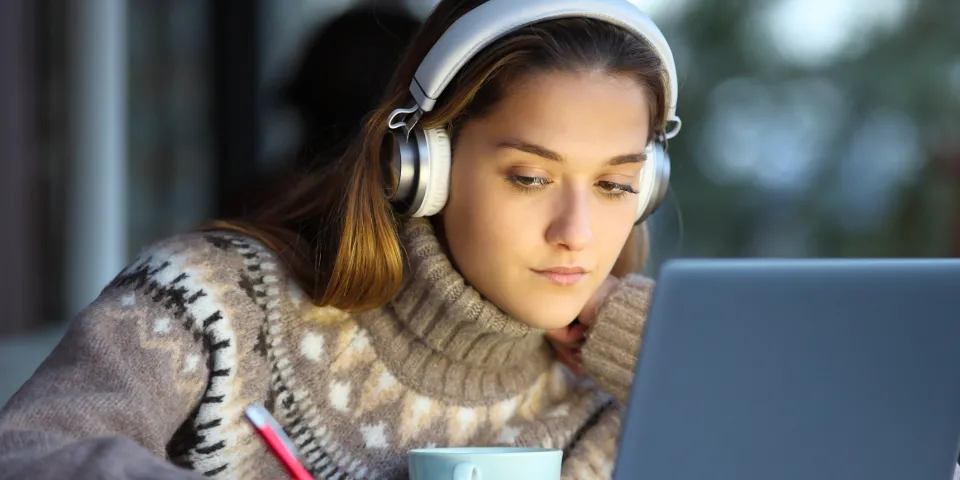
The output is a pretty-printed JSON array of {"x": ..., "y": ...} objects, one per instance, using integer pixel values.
[{"x": 151, "y": 380}]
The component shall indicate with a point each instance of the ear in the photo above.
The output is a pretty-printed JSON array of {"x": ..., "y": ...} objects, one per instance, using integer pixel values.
[{"x": 634, "y": 253}]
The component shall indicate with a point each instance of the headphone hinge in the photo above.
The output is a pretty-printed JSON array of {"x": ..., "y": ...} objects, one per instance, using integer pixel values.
[{"x": 411, "y": 116}]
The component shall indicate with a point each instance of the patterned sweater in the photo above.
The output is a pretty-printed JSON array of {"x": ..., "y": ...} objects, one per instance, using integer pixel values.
[{"x": 151, "y": 380}]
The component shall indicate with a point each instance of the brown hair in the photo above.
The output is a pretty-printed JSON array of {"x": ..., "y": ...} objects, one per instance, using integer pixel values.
[{"x": 335, "y": 230}]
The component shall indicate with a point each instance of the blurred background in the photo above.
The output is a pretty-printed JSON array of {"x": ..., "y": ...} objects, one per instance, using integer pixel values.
[{"x": 812, "y": 128}]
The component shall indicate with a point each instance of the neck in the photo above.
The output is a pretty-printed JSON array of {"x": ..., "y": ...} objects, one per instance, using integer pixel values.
[{"x": 445, "y": 338}]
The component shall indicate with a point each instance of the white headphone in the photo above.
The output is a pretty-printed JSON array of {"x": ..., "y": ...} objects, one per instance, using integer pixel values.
[{"x": 421, "y": 157}]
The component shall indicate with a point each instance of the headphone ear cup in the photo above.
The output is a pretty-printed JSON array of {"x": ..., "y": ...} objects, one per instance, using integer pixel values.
[
  {"x": 436, "y": 179},
  {"x": 654, "y": 180},
  {"x": 402, "y": 179}
]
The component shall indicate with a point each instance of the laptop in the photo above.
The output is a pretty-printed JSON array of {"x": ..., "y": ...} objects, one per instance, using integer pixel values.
[{"x": 797, "y": 370}]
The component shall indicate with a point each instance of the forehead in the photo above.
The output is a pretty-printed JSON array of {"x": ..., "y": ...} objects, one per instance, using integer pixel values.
[{"x": 581, "y": 115}]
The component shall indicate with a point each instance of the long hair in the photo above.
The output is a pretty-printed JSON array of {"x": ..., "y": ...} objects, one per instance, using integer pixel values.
[{"x": 335, "y": 230}]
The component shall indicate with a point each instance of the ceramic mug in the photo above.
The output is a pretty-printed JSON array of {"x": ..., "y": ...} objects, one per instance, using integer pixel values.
[{"x": 485, "y": 463}]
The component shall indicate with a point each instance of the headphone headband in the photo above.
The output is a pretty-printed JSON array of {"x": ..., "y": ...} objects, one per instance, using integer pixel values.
[{"x": 485, "y": 24}]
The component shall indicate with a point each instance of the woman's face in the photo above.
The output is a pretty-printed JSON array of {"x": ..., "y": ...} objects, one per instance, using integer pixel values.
[{"x": 542, "y": 192}]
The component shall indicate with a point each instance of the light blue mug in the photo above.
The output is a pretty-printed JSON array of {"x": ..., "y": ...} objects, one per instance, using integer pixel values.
[{"x": 485, "y": 463}]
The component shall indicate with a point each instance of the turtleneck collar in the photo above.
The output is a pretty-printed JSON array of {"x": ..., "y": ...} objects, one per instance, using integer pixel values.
[{"x": 444, "y": 339}]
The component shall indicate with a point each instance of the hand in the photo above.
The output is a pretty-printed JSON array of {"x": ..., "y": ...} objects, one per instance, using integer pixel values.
[{"x": 567, "y": 341}]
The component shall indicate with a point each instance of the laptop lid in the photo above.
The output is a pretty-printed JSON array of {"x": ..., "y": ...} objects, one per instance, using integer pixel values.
[{"x": 798, "y": 369}]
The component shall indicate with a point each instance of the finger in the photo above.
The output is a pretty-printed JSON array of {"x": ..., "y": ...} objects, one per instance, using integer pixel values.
[{"x": 567, "y": 335}]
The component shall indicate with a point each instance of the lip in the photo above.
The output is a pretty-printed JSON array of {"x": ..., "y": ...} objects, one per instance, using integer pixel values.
[
  {"x": 563, "y": 270},
  {"x": 564, "y": 276}
]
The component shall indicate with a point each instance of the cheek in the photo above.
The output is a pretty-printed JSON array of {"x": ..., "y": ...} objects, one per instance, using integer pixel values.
[
  {"x": 485, "y": 225},
  {"x": 611, "y": 240},
  {"x": 464, "y": 211}
]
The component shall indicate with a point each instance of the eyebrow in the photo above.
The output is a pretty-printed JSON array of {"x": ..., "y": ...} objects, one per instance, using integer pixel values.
[{"x": 544, "y": 152}]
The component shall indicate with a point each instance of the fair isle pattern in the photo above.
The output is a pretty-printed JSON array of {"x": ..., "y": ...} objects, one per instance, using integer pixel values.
[
  {"x": 365, "y": 405},
  {"x": 168, "y": 282},
  {"x": 241, "y": 446},
  {"x": 299, "y": 416}
]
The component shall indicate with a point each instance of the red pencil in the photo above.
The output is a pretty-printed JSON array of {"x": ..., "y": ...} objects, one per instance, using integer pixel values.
[{"x": 277, "y": 441}]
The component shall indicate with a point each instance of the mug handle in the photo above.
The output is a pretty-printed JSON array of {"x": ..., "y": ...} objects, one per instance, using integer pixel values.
[{"x": 466, "y": 471}]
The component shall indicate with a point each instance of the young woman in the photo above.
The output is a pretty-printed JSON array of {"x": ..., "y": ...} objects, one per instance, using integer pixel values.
[{"x": 372, "y": 309}]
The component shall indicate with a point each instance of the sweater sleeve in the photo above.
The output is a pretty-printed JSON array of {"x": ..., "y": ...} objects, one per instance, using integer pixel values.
[
  {"x": 594, "y": 455},
  {"x": 610, "y": 352},
  {"x": 108, "y": 401}
]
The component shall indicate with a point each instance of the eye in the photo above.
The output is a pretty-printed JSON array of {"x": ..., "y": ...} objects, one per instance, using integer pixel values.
[
  {"x": 614, "y": 189},
  {"x": 526, "y": 183}
]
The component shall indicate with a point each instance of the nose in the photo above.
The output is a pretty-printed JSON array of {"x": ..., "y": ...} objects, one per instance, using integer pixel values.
[{"x": 570, "y": 227}]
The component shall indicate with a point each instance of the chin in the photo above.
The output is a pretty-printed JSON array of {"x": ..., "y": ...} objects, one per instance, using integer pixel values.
[{"x": 547, "y": 315}]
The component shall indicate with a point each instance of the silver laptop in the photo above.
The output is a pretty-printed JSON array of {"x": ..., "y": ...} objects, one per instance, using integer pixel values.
[{"x": 798, "y": 369}]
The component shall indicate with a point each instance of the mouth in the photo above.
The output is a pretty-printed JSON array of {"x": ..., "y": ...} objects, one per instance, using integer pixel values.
[{"x": 563, "y": 276}]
